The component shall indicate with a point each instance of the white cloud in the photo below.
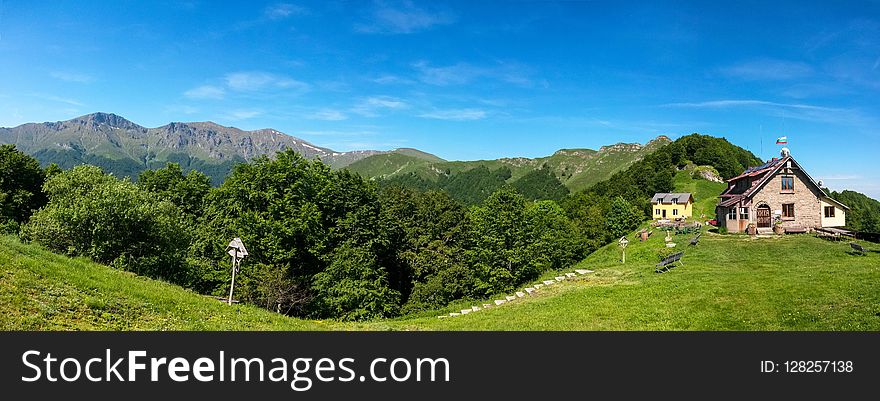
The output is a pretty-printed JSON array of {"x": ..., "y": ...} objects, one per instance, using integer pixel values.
[
  {"x": 747, "y": 102},
  {"x": 455, "y": 114},
  {"x": 181, "y": 108},
  {"x": 404, "y": 18},
  {"x": 391, "y": 79},
  {"x": 839, "y": 177},
  {"x": 282, "y": 11},
  {"x": 769, "y": 70},
  {"x": 806, "y": 112},
  {"x": 258, "y": 80},
  {"x": 236, "y": 115},
  {"x": 327, "y": 115},
  {"x": 455, "y": 74},
  {"x": 370, "y": 106},
  {"x": 205, "y": 92},
  {"x": 337, "y": 133},
  {"x": 72, "y": 77},
  {"x": 59, "y": 99},
  {"x": 463, "y": 73}
]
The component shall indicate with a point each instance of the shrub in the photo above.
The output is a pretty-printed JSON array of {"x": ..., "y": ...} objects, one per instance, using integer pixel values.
[
  {"x": 111, "y": 221},
  {"x": 21, "y": 181}
]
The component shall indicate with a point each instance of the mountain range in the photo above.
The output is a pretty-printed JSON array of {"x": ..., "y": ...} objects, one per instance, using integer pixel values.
[
  {"x": 575, "y": 168},
  {"x": 125, "y": 148}
]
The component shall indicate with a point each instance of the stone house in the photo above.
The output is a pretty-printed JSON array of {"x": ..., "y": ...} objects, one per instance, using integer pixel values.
[{"x": 777, "y": 192}]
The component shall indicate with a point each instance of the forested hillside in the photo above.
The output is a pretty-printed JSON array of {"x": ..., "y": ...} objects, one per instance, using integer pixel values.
[{"x": 575, "y": 169}]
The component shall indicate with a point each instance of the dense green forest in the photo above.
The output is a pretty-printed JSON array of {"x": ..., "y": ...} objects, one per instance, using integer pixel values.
[
  {"x": 68, "y": 158},
  {"x": 655, "y": 172},
  {"x": 471, "y": 187},
  {"x": 330, "y": 244}
]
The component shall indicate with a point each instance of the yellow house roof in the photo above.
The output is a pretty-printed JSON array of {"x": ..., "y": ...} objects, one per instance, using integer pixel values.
[{"x": 669, "y": 198}]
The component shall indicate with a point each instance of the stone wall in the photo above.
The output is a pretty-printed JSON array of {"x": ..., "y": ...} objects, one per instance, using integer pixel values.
[{"x": 807, "y": 209}]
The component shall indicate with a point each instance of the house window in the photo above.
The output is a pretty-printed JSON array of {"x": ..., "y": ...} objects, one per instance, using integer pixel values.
[
  {"x": 674, "y": 201},
  {"x": 829, "y": 211},
  {"x": 787, "y": 184},
  {"x": 674, "y": 212},
  {"x": 788, "y": 210},
  {"x": 731, "y": 214},
  {"x": 657, "y": 211},
  {"x": 743, "y": 213}
]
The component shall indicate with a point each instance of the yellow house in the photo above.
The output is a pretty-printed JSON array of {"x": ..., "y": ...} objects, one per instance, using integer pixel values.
[{"x": 672, "y": 206}]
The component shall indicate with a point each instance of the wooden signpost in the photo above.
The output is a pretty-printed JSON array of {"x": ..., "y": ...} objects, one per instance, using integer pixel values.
[
  {"x": 622, "y": 242},
  {"x": 237, "y": 250}
]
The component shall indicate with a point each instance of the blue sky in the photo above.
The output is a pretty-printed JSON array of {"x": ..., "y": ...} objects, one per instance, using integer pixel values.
[{"x": 465, "y": 80}]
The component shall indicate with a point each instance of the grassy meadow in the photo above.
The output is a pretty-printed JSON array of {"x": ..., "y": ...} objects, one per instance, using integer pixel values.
[{"x": 727, "y": 282}]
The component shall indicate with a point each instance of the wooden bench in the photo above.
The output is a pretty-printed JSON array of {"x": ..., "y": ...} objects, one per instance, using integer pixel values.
[
  {"x": 695, "y": 240},
  {"x": 669, "y": 262},
  {"x": 858, "y": 248},
  {"x": 796, "y": 230}
]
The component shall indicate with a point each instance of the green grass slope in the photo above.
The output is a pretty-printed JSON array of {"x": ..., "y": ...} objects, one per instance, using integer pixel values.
[
  {"x": 727, "y": 282},
  {"x": 705, "y": 193},
  {"x": 40, "y": 290}
]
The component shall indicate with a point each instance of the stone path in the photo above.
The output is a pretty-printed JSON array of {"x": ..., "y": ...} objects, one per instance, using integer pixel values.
[{"x": 532, "y": 290}]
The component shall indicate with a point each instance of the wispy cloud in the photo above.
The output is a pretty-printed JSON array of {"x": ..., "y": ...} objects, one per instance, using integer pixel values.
[
  {"x": 800, "y": 111},
  {"x": 242, "y": 114},
  {"x": 743, "y": 102},
  {"x": 388, "y": 79},
  {"x": 59, "y": 99},
  {"x": 205, "y": 92},
  {"x": 282, "y": 10},
  {"x": 339, "y": 133},
  {"x": 403, "y": 17},
  {"x": 258, "y": 80},
  {"x": 370, "y": 107},
  {"x": 455, "y": 114},
  {"x": 769, "y": 70},
  {"x": 839, "y": 177},
  {"x": 72, "y": 77},
  {"x": 350, "y": 145},
  {"x": 327, "y": 115},
  {"x": 455, "y": 74},
  {"x": 181, "y": 108},
  {"x": 463, "y": 73}
]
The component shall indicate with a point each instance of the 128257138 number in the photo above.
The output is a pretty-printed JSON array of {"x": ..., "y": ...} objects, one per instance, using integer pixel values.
[{"x": 818, "y": 366}]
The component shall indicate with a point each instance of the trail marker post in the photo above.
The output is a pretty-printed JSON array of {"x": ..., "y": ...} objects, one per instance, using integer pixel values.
[
  {"x": 622, "y": 242},
  {"x": 237, "y": 250}
]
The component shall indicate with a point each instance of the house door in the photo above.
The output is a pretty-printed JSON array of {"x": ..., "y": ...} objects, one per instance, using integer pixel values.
[
  {"x": 763, "y": 216},
  {"x": 664, "y": 213}
]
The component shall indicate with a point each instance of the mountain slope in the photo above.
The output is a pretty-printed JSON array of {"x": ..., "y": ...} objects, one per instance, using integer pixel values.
[
  {"x": 576, "y": 168},
  {"x": 125, "y": 148},
  {"x": 40, "y": 290}
]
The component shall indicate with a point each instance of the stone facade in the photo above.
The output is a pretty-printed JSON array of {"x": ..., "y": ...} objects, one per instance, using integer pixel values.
[
  {"x": 805, "y": 198},
  {"x": 758, "y": 197}
]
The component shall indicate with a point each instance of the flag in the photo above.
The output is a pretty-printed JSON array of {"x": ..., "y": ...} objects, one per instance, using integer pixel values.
[{"x": 782, "y": 140}]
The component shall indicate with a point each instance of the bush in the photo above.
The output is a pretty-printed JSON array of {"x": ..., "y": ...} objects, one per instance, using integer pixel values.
[
  {"x": 21, "y": 181},
  {"x": 354, "y": 287},
  {"x": 111, "y": 221}
]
